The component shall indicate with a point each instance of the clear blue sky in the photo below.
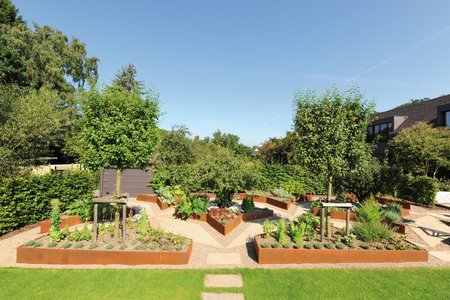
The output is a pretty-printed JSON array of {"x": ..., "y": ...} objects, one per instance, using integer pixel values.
[{"x": 234, "y": 65}]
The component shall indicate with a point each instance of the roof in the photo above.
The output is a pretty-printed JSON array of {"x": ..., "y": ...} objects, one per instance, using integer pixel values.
[{"x": 425, "y": 111}]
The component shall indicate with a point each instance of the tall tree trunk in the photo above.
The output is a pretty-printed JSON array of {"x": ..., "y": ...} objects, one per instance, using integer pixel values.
[
  {"x": 118, "y": 178},
  {"x": 330, "y": 183}
]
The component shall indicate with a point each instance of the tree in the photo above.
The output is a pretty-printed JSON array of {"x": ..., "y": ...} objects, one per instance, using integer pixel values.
[
  {"x": 331, "y": 132},
  {"x": 30, "y": 121},
  {"x": 175, "y": 147},
  {"x": 126, "y": 78},
  {"x": 119, "y": 128},
  {"x": 230, "y": 141},
  {"x": 421, "y": 149}
]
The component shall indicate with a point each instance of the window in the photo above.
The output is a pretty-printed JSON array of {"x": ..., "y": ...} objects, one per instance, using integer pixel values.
[
  {"x": 380, "y": 131},
  {"x": 447, "y": 118}
]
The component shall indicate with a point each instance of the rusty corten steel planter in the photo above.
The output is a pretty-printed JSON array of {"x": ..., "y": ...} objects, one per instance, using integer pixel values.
[
  {"x": 301, "y": 256},
  {"x": 279, "y": 203},
  {"x": 66, "y": 221},
  {"x": 57, "y": 256},
  {"x": 224, "y": 229},
  {"x": 337, "y": 214},
  {"x": 256, "y": 198},
  {"x": 163, "y": 205},
  {"x": 400, "y": 228},
  {"x": 152, "y": 198}
]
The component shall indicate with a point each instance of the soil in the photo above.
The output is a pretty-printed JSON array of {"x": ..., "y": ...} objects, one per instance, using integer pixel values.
[{"x": 223, "y": 215}]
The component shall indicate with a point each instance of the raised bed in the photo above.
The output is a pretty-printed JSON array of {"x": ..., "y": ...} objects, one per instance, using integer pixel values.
[
  {"x": 400, "y": 228},
  {"x": 279, "y": 203},
  {"x": 163, "y": 205},
  {"x": 224, "y": 228},
  {"x": 30, "y": 255},
  {"x": 201, "y": 218},
  {"x": 152, "y": 198},
  {"x": 257, "y": 213},
  {"x": 301, "y": 256},
  {"x": 66, "y": 221},
  {"x": 406, "y": 205},
  {"x": 256, "y": 198},
  {"x": 336, "y": 214}
]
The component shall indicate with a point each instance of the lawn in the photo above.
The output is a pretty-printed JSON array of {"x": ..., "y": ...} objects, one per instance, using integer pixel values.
[{"x": 419, "y": 283}]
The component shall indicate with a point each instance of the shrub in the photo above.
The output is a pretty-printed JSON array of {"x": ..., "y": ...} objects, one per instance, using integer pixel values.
[
  {"x": 25, "y": 198},
  {"x": 248, "y": 204},
  {"x": 29, "y": 244},
  {"x": 369, "y": 212},
  {"x": 123, "y": 246},
  {"x": 55, "y": 221},
  {"x": 390, "y": 247},
  {"x": 38, "y": 244},
  {"x": 420, "y": 189},
  {"x": 394, "y": 207},
  {"x": 365, "y": 246},
  {"x": 78, "y": 245},
  {"x": 52, "y": 244},
  {"x": 93, "y": 246},
  {"x": 109, "y": 246}
]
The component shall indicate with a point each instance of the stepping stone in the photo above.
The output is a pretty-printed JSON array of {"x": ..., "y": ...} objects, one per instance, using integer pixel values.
[
  {"x": 223, "y": 281},
  {"x": 442, "y": 255},
  {"x": 223, "y": 296},
  {"x": 223, "y": 259}
]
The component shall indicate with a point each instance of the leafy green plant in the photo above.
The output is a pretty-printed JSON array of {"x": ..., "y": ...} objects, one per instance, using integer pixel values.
[
  {"x": 190, "y": 205},
  {"x": 282, "y": 194},
  {"x": 109, "y": 246},
  {"x": 311, "y": 223},
  {"x": 372, "y": 232},
  {"x": 82, "y": 207},
  {"x": 365, "y": 246},
  {"x": 55, "y": 221},
  {"x": 165, "y": 193},
  {"x": 268, "y": 228},
  {"x": 144, "y": 226},
  {"x": 281, "y": 231},
  {"x": 248, "y": 204},
  {"x": 297, "y": 231},
  {"x": 395, "y": 207}
]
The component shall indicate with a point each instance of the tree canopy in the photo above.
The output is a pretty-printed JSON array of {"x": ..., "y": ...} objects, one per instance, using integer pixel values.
[{"x": 331, "y": 131}]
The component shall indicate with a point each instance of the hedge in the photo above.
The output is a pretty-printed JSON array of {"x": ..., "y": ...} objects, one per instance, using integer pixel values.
[
  {"x": 256, "y": 175},
  {"x": 25, "y": 198}
]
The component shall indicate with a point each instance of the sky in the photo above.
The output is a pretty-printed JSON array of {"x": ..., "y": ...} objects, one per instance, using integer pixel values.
[{"x": 235, "y": 65}]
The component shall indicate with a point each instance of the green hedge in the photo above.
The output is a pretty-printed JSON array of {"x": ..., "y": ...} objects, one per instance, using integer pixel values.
[
  {"x": 25, "y": 198},
  {"x": 420, "y": 189},
  {"x": 257, "y": 175}
]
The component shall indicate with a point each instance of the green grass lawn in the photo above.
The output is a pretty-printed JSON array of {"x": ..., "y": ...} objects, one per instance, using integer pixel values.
[{"x": 421, "y": 283}]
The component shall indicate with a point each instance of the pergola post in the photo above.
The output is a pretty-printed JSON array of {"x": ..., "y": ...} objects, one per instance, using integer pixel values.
[
  {"x": 322, "y": 223},
  {"x": 95, "y": 221}
]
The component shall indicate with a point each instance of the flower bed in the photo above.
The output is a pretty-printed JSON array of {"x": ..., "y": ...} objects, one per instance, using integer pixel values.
[
  {"x": 270, "y": 255},
  {"x": 31, "y": 255},
  {"x": 336, "y": 214},
  {"x": 66, "y": 221},
  {"x": 163, "y": 205},
  {"x": 152, "y": 198}
]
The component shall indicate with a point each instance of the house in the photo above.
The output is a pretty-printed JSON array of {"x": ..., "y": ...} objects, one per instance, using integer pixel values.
[{"x": 387, "y": 124}]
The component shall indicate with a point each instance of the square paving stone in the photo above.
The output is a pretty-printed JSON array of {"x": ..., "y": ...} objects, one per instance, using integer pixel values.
[
  {"x": 223, "y": 296},
  {"x": 225, "y": 280}
]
